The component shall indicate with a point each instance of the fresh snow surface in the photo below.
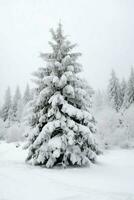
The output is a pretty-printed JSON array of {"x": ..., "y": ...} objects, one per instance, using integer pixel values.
[{"x": 112, "y": 178}]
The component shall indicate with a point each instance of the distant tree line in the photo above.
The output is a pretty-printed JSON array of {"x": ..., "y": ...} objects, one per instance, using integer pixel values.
[
  {"x": 121, "y": 94},
  {"x": 13, "y": 108}
]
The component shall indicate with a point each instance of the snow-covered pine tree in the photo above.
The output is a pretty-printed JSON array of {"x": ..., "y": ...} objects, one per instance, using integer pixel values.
[
  {"x": 19, "y": 112},
  {"x": 129, "y": 97},
  {"x": 114, "y": 92},
  {"x": 63, "y": 127},
  {"x": 16, "y": 105},
  {"x": 27, "y": 99},
  {"x": 123, "y": 87},
  {"x": 27, "y": 95},
  {"x": 7, "y": 105}
]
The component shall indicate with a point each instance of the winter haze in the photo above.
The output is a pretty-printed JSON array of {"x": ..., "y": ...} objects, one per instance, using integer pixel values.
[
  {"x": 103, "y": 30},
  {"x": 82, "y": 130}
]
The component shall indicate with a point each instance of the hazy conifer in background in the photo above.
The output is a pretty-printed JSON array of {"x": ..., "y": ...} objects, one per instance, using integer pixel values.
[
  {"x": 27, "y": 95},
  {"x": 7, "y": 105},
  {"x": 114, "y": 92},
  {"x": 129, "y": 97},
  {"x": 123, "y": 87},
  {"x": 63, "y": 127},
  {"x": 15, "y": 104}
]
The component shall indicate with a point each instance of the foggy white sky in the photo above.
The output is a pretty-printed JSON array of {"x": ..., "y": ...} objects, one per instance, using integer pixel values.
[{"x": 104, "y": 31}]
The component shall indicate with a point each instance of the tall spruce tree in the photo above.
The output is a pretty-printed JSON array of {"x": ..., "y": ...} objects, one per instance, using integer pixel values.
[
  {"x": 129, "y": 97},
  {"x": 63, "y": 127},
  {"x": 114, "y": 92},
  {"x": 5, "y": 111}
]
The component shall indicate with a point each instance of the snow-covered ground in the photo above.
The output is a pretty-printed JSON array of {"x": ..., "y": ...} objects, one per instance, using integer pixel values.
[{"x": 112, "y": 178}]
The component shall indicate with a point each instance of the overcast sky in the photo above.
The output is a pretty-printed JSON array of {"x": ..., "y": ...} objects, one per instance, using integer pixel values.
[{"x": 104, "y": 31}]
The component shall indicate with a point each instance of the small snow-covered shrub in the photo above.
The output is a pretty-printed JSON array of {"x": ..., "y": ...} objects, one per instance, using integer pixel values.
[
  {"x": 15, "y": 133},
  {"x": 115, "y": 128},
  {"x": 129, "y": 124}
]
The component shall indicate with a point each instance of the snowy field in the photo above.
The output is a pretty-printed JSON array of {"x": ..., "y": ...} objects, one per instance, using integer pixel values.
[{"x": 112, "y": 178}]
